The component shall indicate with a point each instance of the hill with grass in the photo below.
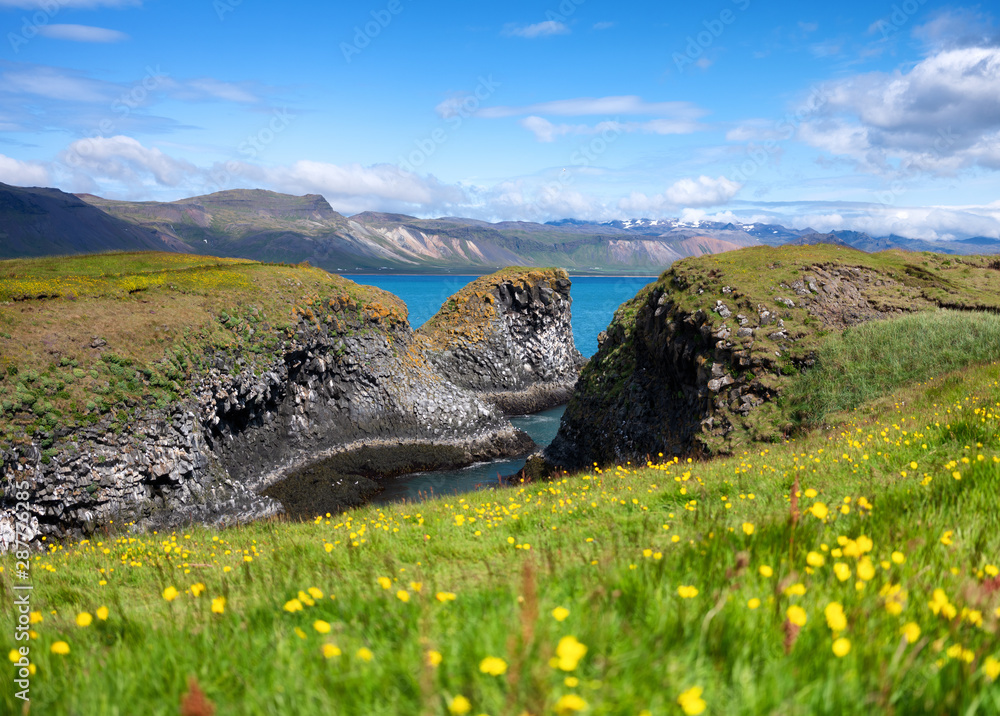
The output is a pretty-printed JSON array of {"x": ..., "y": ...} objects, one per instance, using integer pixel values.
[
  {"x": 49, "y": 222},
  {"x": 163, "y": 388},
  {"x": 726, "y": 350},
  {"x": 508, "y": 338},
  {"x": 848, "y": 571}
]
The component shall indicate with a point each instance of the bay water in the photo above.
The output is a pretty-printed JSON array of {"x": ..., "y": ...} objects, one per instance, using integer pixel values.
[{"x": 595, "y": 300}]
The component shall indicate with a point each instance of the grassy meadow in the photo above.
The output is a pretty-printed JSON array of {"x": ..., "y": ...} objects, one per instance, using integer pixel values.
[
  {"x": 102, "y": 337},
  {"x": 850, "y": 570}
]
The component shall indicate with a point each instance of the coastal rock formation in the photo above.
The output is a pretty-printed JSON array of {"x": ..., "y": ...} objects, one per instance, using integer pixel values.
[
  {"x": 693, "y": 364},
  {"x": 344, "y": 376},
  {"x": 507, "y": 337}
]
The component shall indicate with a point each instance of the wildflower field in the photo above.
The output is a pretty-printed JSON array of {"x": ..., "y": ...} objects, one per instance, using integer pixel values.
[{"x": 851, "y": 570}]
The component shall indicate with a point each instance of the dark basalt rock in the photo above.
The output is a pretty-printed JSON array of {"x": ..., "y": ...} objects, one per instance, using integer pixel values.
[
  {"x": 349, "y": 390},
  {"x": 693, "y": 364},
  {"x": 508, "y": 338}
]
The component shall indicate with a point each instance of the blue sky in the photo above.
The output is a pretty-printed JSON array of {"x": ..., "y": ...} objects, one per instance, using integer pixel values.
[{"x": 876, "y": 117}]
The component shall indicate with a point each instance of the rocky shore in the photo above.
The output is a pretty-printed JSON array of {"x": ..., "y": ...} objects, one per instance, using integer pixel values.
[
  {"x": 350, "y": 395},
  {"x": 693, "y": 365},
  {"x": 507, "y": 337}
]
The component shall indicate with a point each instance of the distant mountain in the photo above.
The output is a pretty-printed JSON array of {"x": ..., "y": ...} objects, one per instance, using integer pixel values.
[
  {"x": 48, "y": 222},
  {"x": 277, "y": 227},
  {"x": 269, "y": 226}
]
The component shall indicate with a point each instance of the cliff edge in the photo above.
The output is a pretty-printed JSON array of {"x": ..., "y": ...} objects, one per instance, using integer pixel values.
[
  {"x": 694, "y": 363},
  {"x": 507, "y": 337},
  {"x": 160, "y": 389}
]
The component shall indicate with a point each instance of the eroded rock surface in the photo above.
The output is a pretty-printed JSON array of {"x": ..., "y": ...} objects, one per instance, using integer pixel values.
[
  {"x": 356, "y": 382},
  {"x": 507, "y": 337},
  {"x": 692, "y": 365}
]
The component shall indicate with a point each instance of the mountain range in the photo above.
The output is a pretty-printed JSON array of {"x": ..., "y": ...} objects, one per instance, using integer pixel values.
[{"x": 268, "y": 226}]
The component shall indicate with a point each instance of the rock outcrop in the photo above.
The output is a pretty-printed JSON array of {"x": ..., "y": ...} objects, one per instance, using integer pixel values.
[
  {"x": 693, "y": 364},
  {"x": 507, "y": 337},
  {"x": 348, "y": 377}
]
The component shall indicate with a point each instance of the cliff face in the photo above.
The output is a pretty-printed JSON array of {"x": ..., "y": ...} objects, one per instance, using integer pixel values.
[
  {"x": 693, "y": 364},
  {"x": 343, "y": 375},
  {"x": 507, "y": 337}
]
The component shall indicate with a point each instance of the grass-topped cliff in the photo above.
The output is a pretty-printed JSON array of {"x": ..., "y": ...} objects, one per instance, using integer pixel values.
[
  {"x": 846, "y": 572},
  {"x": 464, "y": 316},
  {"x": 698, "y": 360},
  {"x": 86, "y": 337},
  {"x": 508, "y": 337}
]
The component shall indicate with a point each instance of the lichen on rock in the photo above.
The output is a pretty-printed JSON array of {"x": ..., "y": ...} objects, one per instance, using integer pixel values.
[
  {"x": 694, "y": 363},
  {"x": 298, "y": 367},
  {"x": 508, "y": 338}
]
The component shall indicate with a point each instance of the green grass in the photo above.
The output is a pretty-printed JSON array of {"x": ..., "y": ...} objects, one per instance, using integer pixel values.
[
  {"x": 161, "y": 318},
  {"x": 611, "y": 547},
  {"x": 873, "y": 359}
]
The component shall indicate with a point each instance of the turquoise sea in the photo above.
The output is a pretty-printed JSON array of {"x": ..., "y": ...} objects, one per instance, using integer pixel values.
[{"x": 595, "y": 300}]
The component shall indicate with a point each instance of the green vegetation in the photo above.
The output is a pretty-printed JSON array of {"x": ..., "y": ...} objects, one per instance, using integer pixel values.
[
  {"x": 845, "y": 572},
  {"x": 467, "y": 314},
  {"x": 873, "y": 359},
  {"x": 106, "y": 335},
  {"x": 815, "y": 292}
]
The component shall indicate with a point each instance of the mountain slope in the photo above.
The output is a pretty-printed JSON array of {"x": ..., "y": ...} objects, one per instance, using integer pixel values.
[{"x": 47, "y": 222}]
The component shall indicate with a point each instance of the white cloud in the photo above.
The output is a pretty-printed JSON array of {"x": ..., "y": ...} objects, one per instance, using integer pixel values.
[
  {"x": 222, "y": 90},
  {"x": 703, "y": 191},
  {"x": 126, "y": 160},
  {"x": 357, "y": 184},
  {"x": 54, "y": 83},
  {"x": 939, "y": 117},
  {"x": 756, "y": 130},
  {"x": 20, "y": 173},
  {"x": 584, "y": 106},
  {"x": 539, "y": 29},
  {"x": 604, "y": 25},
  {"x": 546, "y": 131},
  {"x": 672, "y": 117},
  {"x": 81, "y": 33}
]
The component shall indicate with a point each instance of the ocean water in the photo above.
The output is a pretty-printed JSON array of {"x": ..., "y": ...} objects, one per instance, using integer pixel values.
[
  {"x": 595, "y": 299},
  {"x": 542, "y": 428}
]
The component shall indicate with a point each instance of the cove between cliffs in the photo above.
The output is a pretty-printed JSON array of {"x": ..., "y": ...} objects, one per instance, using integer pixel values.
[{"x": 387, "y": 473}]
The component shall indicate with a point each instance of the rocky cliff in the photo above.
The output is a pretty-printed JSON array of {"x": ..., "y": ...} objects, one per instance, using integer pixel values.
[
  {"x": 693, "y": 364},
  {"x": 507, "y": 337},
  {"x": 208, "y": 384}
]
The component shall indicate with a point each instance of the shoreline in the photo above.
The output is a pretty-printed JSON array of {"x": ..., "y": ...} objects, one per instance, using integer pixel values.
[{"x": 476, "y": 275}]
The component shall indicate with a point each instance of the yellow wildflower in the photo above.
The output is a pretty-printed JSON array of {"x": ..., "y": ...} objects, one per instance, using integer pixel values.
[
  {"x": 493, "y": 665},
  {"x": 796, "y": 615},
  {"x": 569, "y": 703},
  {"x": 835, "y": 618},
  {"x": 459, "y": 706},
  {"x": 560, "y": 613},
  {"x": 841, "y": 647},
  {"x": 691, "y": 702},
  {"x": 568, "y": 653}
]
